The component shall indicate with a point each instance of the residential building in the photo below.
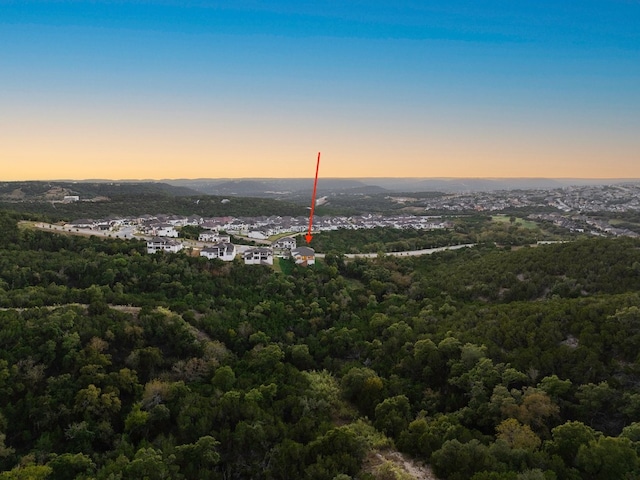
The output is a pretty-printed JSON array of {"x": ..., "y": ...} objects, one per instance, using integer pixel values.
[
  {"x": 285, "y": 243},
  {"x": 82, "y": 223},
  {"x": 304, "y": 255},
  {"x": 282, "y": 247},
  {"x": 158, "y": 244},
  {"x": 223, "y": 250},
  {"x": 258, "y": 234},
  {"x": 214, "y": 237},
  {"x": 164, "y": 230},
  {"x": 258, "y": 256}
]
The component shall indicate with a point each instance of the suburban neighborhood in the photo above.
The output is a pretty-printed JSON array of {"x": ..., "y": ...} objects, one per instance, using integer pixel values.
[
  {"x": 214, "y": 242},
  {"x": 273, "y": 237}
]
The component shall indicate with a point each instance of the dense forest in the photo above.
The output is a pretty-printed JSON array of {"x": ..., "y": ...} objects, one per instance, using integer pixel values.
[
  {"x": 134, "y": 205},
  {"x": 47, "y": 190},
  {"x": 488, "y": 363}
]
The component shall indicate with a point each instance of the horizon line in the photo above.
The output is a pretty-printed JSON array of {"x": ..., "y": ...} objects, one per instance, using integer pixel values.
[{"x": 148, "y": 180}]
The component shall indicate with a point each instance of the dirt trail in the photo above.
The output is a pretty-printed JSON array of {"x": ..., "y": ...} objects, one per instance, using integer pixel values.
[{"x": 415, "y": 469}]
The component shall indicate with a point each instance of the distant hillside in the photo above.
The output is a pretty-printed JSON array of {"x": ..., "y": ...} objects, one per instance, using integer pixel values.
[
  {"x": 292, "y": 187},
  {"x": 52, "y": 191},
  {"x": 100, "y": 200},
  {"x": 274, "y": 187},
  {"x": 456, "y": 185}
]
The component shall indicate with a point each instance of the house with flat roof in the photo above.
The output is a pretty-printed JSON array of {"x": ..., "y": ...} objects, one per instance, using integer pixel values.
[
  {"x": 223, "y": 250},
  {"x": 158, "y": 244},
  {"x": 213, "y": 237},
  {"x": 258, "y": 256}
]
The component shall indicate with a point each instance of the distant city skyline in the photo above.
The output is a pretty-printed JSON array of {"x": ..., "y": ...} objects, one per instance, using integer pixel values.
[{"x": 163, "y": 89}]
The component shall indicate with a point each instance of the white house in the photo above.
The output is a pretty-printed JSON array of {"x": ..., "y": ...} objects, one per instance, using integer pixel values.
[
  {"x": 213, "y": 237},
  {"x": 212, "y": 224},
  {"x": 107, "y": 224},
  {"x": 224, "y": 251},
  {"x": 194, "y": 220},
  {"x": 82, "y": 223},
  {"x": 258, "y": 256},
  {"x": 158, "y": 244},
  {"x": 236, "y": 225},
  {"x": 164, "y": 230},
  {"x": 284, "y": 243},
  {"x": 257, "y": 234},
  {"x": 304, "y": 255},
  {"x": 176, "y": 220},
  {"x": 282, "y": 247}
]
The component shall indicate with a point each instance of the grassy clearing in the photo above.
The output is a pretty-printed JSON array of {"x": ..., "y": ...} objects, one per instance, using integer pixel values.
[
  {"x": 273, "y": 238},
  {"x": 283, "y": 265},
  {"x": 616, "y": 222},
  {"x": 277, "y": 267},
  {"x": 519, "y": 221}
]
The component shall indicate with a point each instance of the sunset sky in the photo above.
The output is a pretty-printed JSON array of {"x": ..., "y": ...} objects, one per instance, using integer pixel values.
[{"x": 402, "y": 88}]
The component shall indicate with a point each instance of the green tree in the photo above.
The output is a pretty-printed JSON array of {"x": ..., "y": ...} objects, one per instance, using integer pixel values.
[
  {"x": 224, "y": 378},
  {"x": 426, "y": 435},
  {"x": 338, "y": 451},
  {"x": 363, "y": 387},
  {"x": 568, "y": 438},
  {"x": 460, "y": 461},
  {"x": 607, "y": 457},
  {"x": 30, "y": 472},
  {"x": 517, "y": 435},
  {"x": 70, "y": 466},
  {"x": 197, "y": 460},
  {"x": 392, "y": 415},
  {"x": 149, "y": 464}
]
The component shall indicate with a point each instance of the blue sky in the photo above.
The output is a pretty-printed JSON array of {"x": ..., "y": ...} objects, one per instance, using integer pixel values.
[{"x": 167, "y": 89}]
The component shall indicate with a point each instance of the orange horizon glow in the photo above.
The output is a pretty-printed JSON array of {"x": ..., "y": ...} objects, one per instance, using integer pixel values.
[
  {"x": 135, "y": 141},
  {"x": 177, "y": 163}
]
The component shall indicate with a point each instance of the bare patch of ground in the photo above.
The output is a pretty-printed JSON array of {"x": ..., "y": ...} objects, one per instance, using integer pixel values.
[
  {"x": 56, "y": 193},
  {"x": 126, "y": 309},
  {"x": 391, "y": 464},
  {"x": 16, "y": 194},
  {"x": 571, "y": 341}
]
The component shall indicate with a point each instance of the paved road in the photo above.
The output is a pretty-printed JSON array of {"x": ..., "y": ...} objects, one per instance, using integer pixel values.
[{"x": 409, "y": 253}]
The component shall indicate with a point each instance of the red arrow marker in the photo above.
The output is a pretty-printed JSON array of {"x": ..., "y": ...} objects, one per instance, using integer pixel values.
[{"x": 308, "y": 236}]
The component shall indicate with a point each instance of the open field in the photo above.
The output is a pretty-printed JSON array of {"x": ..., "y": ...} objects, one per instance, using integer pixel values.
[{"x": 518, "y": 221}]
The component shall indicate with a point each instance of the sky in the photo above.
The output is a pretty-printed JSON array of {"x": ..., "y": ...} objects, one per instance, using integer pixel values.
[{"x": 255, "y": 89}]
